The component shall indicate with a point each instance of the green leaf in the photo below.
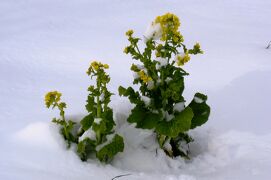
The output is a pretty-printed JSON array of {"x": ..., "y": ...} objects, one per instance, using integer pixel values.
[
  {"x": 143, "y": 118},
  {"x": 200, "y": 109},
  {"x": 87, "y": 121},
  {"x": 99, "y": 128},
  {"x": 131, "y": 94},
  {"x": 85, "y": 148},
  {"x": 107, "y": 152},
  {"x": 181, "y": 123},
  {"x": 91, "y": 105},
  {"x": 108, "y": 117}
]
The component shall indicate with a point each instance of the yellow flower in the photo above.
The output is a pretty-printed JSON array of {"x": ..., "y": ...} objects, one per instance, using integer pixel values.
[
  {"x": 95, "y": 65},
  {"x": 145, "y": 78},
  {"x": 181, "y": 59},
  {"x": 106, "y": 66},
  {"x": 129, "y": 33},
  {"x": 170, "y": 24},
  {"x": 197, "y": 45},
  {"x": 52, "y": 97}
]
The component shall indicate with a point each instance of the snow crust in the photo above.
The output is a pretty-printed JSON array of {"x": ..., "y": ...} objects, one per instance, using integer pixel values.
[
  {"x": 179, "y": 107},
  {"x": 198, "y": 100},
  {"x": 88, "y": 134}
]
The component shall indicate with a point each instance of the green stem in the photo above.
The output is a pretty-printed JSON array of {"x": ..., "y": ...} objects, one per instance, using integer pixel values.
[{"x": 99, "y": 108}]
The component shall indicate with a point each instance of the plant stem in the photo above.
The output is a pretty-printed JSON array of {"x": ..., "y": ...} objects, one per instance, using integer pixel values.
[{"x": 98, "y": 101}]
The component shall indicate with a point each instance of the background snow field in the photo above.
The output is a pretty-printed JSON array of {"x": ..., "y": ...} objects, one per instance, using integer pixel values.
[{"x": 48, "y": 45}]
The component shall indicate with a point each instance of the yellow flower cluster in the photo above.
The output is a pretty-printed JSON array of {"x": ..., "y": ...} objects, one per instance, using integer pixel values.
[
  {"x": 52, "y": 97},
  {"x": 129, "y": 33},
  {"x": 144, "y": 77},
  {"x": 182, "y": 59},
  {"x": 95, "y": 65},
  {"x": 170, "y": 24}
]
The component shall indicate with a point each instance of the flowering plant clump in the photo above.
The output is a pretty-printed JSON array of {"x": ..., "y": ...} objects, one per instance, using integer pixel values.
[
  {"x": 52, "y": 99},
  {"x": 159, "y": 103},
  {"x": 95, "y": 135}
]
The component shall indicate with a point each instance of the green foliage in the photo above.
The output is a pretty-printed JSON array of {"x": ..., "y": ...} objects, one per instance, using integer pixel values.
[
  {"x": 100, "y": 120},
  {"x": 97, "y": 125},
  {"x": 201, "y": 110},
  {"x": 160, "y": 77},
  {"x": 85, "y": 148},
  {"x": 179, "y": 124},
  {"x": 143, "y": 118},
  {"x": 108, "y": 151}
]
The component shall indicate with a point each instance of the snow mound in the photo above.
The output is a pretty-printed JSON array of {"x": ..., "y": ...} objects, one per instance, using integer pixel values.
[{"x": 231, "y": 155}]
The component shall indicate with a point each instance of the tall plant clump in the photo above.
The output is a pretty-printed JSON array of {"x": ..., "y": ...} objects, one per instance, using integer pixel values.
[
  {"x": 98, "y": 126},
  {"x": 95, "y": 135},
  {"x": 159, "y": 103}
]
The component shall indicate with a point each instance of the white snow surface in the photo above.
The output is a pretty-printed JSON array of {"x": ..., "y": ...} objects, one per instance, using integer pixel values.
[
  {"x": 179, "y": 107},
  {"x": 48, "y": 44},
  {"x": 198, "y": 100},
  {"x": 161, "y": 62},
  {"x": 88, "y": 134}
]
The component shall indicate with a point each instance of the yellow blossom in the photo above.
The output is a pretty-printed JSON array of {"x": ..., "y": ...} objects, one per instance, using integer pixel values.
[
  {"x": 129, "y": 33},
  {"x": 144, "y": 77},
  {"x": 170, "y": 24},
  {"x": 106, "y": 66},
  {"x": 182, "y": 59},
  {"x": 52, "y": 97},
  {"x": 95, "y": 65}
]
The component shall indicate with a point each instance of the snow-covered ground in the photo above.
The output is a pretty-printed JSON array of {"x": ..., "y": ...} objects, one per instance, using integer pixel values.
[{"x": 48, "y": 44}]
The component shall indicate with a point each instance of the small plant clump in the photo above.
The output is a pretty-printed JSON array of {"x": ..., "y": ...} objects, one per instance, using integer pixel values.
[
  {"x": 96, "y": 133},
  {"x": 159, "y": 103},
  {"x": 52, "y": 99}
]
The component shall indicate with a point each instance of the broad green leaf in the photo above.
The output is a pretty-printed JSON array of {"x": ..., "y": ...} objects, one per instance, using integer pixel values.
[
  {"x": 200, "y": 109},
  {"x": 87, "y": 121},
  {"x": 100, "y": 128},
  {"x": 143, "y": 118},
  {"x": 91, "y": 105},
  {"x": 85, "y": 148},
  {"x": 181, "y": 123},
  {"x": 107, "y": 152},
  {"x": 108, "y": 117}
]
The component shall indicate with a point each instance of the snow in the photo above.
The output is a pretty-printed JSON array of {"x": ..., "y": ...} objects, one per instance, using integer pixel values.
[
  {"x": 154, "y": 31},
  {"x": 47, "y": 45},
  {"x": 97, "y": 120},
  {"x": 179, "y": 107},
  {"x": 88, "y": 134},
  {"x": 150, "y": 85},
  {"x": 198, "y": 100},
  {"x": 109, "y": 140},
  {"x": 146, "y": 100},
  {"x": 161, "y": 62},
  {"x": 135, "y": 75},
  {"x": 168, "y": 79}
]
